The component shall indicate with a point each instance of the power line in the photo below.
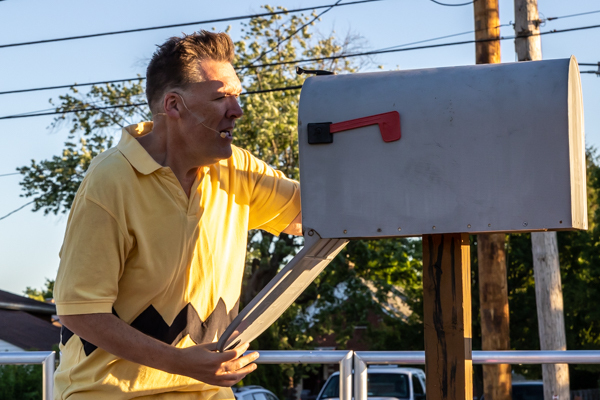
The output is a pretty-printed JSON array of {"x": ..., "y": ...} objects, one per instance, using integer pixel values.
[
  {"x": 297, "y": 61},
  {"x": 453, "y": 5},
  {"x": 264, "y": 53},
  {"x": 72, "y": 111},
  {"x": 437, "y": 38},
  {"x": 272, "y": 90},
  {"x": 68, "y": 86},
  {"x": 18, "y": 209},
  {"x": 183, "y": 24},
  {"x": 39, "y": 114},
  {"x": 572, "y": 15},
  {"x": 374, "y": 52},
  {"x": 13, "y": 173}
]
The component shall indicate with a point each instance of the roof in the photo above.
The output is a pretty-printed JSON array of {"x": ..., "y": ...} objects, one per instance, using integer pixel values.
[
  {"x": 26, "y": 331},
  {"x": 10, "y": 301}
]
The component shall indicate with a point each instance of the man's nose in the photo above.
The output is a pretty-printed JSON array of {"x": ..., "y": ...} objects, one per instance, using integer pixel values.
[{"x": 234, "y": 110}]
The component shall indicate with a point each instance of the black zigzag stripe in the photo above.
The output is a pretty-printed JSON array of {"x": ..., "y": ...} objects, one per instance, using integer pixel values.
[
  {"x": 66, "y": 333},
  {"x": 187, "y": 322}
]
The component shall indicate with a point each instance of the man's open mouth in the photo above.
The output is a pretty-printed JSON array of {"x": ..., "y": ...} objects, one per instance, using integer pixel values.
[{"x": 226, "y": 135}]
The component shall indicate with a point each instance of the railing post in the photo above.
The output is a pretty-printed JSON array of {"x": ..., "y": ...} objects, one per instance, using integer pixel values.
[
  {"x": 346, "y": 376},
  {"x": 360, "y": 378},
  {"x": 48, "y": 377}
]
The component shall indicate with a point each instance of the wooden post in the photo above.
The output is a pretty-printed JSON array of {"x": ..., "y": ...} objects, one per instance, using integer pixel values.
[
  {"x": 546, "y": 267},
  {"x": 493, "y": 298},
  {"x": 527, "y": 22},
  {"x": 487, "y": 26},
  {"x": 447, "y": 316},
  {"x": 491, "y": 252},
  {"x": 551, "y": 323}
]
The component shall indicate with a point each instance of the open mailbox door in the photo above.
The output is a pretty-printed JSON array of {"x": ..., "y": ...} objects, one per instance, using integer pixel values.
[
  {"x": 282, "y": 290},
  {"x": 472, "y": 149}
]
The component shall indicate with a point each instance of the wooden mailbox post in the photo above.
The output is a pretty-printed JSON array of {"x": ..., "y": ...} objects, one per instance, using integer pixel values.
[
  {"x": 447, "y": 316},
  {"x": 439, "y": 153}
]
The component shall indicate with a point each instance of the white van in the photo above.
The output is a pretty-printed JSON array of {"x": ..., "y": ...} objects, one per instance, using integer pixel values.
[{"x": 383, "y": 382}]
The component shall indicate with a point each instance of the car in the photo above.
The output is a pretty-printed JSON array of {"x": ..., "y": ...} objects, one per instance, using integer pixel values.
[
  {"x": 526, "y": 390},
  {"x": 383, "y": 383},
  {"x": 253, "y": 392}
]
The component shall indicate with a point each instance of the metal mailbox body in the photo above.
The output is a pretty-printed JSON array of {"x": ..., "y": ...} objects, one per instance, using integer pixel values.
[{"x": 485, "y": 148}]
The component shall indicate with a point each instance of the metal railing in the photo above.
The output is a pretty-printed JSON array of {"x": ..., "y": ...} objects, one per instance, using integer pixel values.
[
  {"x": 346, "y": 360},
  {"x": 342, "y": 357},
  {"x": 46, "y": 358},
  {"x": 363, "y": 358}
]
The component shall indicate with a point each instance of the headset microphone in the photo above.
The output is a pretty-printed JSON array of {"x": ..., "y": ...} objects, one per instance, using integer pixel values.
[{"x": 222, "y": 134}]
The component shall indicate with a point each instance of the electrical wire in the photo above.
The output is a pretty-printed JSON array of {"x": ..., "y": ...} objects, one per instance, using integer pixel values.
[
  {"x": 297, "y": 61},
  {"x": 572, "y": 15},
  {"x": 39, "y": 114},
  {"x": 323, "y": 59},
  {"x": 13, "y": 173},
  {"x": 291, "y": 35},
  {"x": 182, "y": 24},
  {"x": 437, "y": 38},
  {"x": 72, "y": 111},
  {"x": 18, "y": 209},
  {"x": 374, "y": 52},
  {"x": 72, "y": 85},
  {"x": 453, "y": 5}
]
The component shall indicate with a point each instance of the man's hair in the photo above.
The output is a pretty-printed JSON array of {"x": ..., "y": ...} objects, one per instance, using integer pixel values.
[{"x": 176, "y": 62}]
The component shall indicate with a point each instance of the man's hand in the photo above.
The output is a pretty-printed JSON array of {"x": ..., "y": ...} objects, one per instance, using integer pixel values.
[
  {"x": 200, "y": 362},
  {"x": 219, "y": 369}
]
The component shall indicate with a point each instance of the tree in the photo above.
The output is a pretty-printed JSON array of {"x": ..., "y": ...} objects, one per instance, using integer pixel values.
[
  {"x": 20, "y": 382},
  {"x": 41, "y": 295}
]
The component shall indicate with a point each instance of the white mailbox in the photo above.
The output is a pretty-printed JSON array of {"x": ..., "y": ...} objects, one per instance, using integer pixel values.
[{"x": 477, "y": 149}]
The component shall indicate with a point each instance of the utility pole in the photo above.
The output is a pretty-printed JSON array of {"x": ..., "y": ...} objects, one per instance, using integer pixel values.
[
  {"x": 491, "y": 248},
  {"x": 546, "y": 267}
]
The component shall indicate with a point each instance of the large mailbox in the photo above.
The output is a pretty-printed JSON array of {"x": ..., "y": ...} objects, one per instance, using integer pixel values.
[
  {"x": 477, "y": 149},
  {"x": 474, "y": 149}
]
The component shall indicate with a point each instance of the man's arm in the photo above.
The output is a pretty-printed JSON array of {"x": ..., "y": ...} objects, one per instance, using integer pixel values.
[
  {"x": 295, "y": 227},
  {"x": 200, "y": 362}
]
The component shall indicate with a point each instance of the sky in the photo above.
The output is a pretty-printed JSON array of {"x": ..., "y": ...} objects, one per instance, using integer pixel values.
[{"x": 30, "y": 242}]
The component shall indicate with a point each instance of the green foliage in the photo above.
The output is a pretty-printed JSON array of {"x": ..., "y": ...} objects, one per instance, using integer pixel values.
[
  {"x": 53, "y": 183},
  {"x": 20, "y": 382},
  {"x": 41, "y": 295}
]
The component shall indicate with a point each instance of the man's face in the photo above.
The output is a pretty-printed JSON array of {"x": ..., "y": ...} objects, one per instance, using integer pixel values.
[{"x": 211, "y": 106}]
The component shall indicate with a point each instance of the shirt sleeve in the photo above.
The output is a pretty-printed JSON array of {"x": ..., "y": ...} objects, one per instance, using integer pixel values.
[
  {"x": 274, "y": 198},
  {"x": 92, "y": 260}
]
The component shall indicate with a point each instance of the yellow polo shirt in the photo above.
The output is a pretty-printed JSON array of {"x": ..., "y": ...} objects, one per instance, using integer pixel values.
[{"x": 170, "y": 266}]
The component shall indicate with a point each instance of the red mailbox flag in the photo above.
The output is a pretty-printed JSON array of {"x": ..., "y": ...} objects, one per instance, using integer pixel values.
[{"x": 389, "y": 126}]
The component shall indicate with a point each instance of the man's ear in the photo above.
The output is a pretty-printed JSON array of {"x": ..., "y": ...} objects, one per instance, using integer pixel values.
[{"x": 171, "y": 105}]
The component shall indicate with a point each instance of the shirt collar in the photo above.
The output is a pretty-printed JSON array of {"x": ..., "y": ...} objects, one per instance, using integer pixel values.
[{"x": 133, "y": 151}]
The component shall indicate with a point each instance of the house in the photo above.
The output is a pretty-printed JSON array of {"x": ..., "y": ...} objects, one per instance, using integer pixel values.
[{"x": 27, "y": 324}]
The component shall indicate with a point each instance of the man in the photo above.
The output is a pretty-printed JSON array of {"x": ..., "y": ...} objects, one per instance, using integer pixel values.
[{"x": 153, "y": 258}]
